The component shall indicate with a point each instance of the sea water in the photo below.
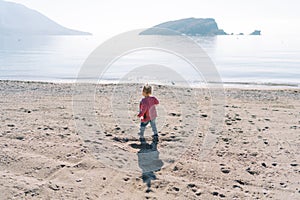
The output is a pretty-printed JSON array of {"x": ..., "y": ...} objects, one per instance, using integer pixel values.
[{"x": 240, "y": 60}]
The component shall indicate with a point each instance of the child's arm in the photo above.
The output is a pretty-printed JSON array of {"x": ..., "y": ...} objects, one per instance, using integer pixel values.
[
  {"x": 143, "y": 110},
  {"x": 156, "y": 101}
]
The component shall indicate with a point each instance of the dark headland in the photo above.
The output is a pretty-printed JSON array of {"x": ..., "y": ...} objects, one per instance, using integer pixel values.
[{"x": 189, "y": 26}]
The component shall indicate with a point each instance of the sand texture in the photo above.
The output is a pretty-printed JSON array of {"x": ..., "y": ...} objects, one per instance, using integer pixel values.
[{"x": 51, "y": 150}]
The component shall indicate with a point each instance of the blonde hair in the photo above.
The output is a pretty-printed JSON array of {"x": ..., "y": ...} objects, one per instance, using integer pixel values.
[{"x": 147, "y": 89}]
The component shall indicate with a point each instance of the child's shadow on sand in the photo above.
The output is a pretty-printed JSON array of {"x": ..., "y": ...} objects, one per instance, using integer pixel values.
[{"x": 149, "y": 162}]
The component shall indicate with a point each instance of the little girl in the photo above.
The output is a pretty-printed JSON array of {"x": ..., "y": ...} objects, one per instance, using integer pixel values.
[{"x": 148, "y": 112}]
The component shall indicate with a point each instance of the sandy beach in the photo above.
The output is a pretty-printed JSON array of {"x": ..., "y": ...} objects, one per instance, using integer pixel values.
[{"x": 45, "y": 153}]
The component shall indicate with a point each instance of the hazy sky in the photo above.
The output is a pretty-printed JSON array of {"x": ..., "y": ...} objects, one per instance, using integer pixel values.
[{"x": 110, "y": 17}]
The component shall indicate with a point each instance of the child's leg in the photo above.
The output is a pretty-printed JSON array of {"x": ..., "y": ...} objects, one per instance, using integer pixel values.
[
  {"x": 153, "y": 126},
  {"x": 142, "y": 129}
]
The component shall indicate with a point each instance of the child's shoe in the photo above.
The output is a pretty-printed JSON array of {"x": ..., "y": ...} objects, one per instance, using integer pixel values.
[
  {"x": 155, "y": 138},
  {"x": 142, "y": 140}
]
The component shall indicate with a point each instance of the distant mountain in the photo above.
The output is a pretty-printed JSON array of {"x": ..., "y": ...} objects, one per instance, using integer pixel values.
[
  {"x": 16, "y": 19},
  {"x": 189, "y": 26}
]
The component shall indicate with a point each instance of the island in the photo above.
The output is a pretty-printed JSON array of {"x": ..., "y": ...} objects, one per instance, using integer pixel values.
[
  {"x": 17, "y": 19},
  {"x": 188, "y": 26},
  {"x": 256, "y": 32}
]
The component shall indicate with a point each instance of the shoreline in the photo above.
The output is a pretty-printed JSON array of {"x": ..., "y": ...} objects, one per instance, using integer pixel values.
[{"x": 225, "y": 85}]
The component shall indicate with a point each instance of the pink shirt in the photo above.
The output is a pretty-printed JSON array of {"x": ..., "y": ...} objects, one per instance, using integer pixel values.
[{"x": 147, "y": 108}]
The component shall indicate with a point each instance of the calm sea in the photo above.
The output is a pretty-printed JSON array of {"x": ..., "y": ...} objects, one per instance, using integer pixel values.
[{"x": 240, "y": 60}]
